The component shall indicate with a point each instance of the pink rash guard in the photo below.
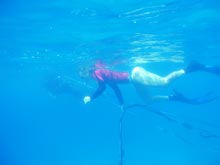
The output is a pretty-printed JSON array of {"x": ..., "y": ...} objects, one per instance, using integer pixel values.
[{"x": 112, "y": 78}]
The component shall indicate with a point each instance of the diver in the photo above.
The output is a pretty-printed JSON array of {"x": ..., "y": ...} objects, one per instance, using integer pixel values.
[{"x": 143, "y": 80}]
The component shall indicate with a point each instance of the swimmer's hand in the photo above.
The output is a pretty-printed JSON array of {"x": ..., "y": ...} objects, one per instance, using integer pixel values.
[{"x": 87, "y": 99}]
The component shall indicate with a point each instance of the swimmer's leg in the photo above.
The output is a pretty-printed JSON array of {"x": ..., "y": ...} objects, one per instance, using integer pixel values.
[
  {"x": 179, "y": 97},
  {"x": 213, "y": 69},
  {"x": 174, "y": 75},
  {"x": 141, "y": 76},
  {"x": 144, "y": 93},
  {"x": 160, "y": 98}
]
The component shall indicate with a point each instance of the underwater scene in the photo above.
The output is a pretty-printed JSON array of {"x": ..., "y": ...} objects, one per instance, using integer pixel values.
[{"x": 94, "y": 82}]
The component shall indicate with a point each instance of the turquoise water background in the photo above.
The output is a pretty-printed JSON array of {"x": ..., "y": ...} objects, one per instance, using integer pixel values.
[{"x": 43, "y": 38}]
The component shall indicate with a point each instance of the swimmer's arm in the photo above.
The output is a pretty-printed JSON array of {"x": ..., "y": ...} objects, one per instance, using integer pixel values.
[
  {"x": 99, "y": 90},
  {"x": 118, "y": 94}
]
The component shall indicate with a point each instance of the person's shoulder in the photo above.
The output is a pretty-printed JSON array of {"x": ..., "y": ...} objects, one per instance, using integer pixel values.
[
  {"x": 98, "y": 74},
  {"x": 101, "y": 70},
  {"x": 97, "y": 71}
]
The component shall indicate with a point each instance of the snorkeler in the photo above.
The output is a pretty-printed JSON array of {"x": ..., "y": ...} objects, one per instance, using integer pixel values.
[{"x": 143, "y": 80}]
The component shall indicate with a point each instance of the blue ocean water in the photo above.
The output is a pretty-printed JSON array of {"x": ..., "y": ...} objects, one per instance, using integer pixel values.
[{"x": 40, "y": 39}]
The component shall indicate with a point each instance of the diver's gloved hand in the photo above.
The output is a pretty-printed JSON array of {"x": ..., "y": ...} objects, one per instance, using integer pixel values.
[{"x": 87, "y": 99}]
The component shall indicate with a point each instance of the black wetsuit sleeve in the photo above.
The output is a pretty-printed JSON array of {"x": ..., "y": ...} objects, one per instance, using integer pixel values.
[
  {"x": 118, "y": 93},
  {"x": 99, "y": 90}
]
